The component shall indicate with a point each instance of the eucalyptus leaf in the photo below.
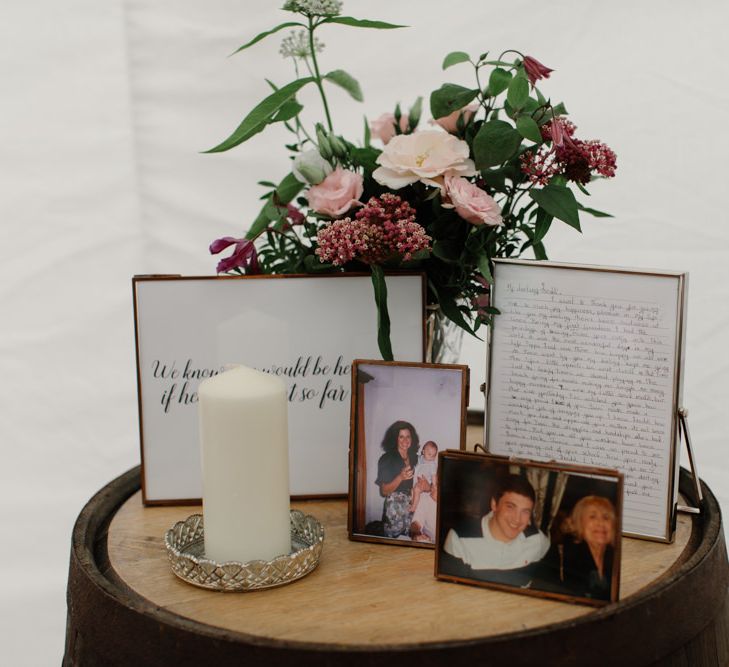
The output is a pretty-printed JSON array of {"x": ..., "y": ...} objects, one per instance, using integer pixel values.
[
  {"x": 495, "y": 143},
  {"x": 263, "y": 35},
  {"x": 361, "y": 23},
  {"x": 529, "y": 129},
  {"x": 346, "y": 81},
  {"x": 450, "y": 97},
  {"x": 454, "y": 58},
  {"x": 498, "y": 81},
  {"x": 518, "y": 92},
  {"x": 559, "y": 201},
  {"x": 261, "y": 115}
]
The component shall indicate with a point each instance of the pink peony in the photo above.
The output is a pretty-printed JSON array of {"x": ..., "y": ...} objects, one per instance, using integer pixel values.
[
  {"x": 450, "y": 122},
  {"x": 426, "y": 156},
  {"x": 383, "y": 127},
  {"x": 472, "y": 203},
  {"x": 337, "y": 193}
]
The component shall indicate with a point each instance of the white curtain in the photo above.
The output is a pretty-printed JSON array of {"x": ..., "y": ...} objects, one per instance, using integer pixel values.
[{"x": 106, "y": 109}]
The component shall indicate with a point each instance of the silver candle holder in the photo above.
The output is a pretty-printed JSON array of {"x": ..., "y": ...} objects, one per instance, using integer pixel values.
[{"x": 185, "y": 547}]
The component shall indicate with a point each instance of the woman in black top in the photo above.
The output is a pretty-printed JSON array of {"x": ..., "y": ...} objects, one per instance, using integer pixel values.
[
  {"x": 586, "y": 558},
  {"x": 395, "y": 470}
]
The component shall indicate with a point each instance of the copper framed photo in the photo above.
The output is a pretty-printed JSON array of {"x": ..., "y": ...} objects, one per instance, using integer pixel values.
[
  {"x": 586, "y": 366},
  {"x": 543, "y": 529},
  {"x": 304, "y": 329},
  {"x": 403, "y": 415}
]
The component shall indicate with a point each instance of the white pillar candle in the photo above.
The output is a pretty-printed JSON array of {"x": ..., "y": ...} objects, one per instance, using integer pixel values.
[{"x": 245, "y": 470}]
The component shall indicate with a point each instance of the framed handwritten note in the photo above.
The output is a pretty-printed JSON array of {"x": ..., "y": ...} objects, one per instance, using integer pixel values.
[
  {"x": 585, "y": 367},
  {"x": 305, "y": 329}
]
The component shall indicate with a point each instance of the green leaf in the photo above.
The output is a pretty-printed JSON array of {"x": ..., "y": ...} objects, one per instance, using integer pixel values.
[
  {"x": 263, "y": 35},
  {"x": 449, "y": 98},
  {"x": 454, "y": 58},
  {"x": 529, "y": 129},
  {"x": 383, "y": 317},
  {"x": 539, "y": 252},
  {"x": 451, "y": 311},
  {"x": 544, "y": 222},
  {"x": 261, "y": 115},
  {"x": 594, "y": 211},
  {"x": 559, "y": 110},
  {"x": 498, "y": 81},
  {"x": 367, "y": 133},
  {"x": 346, "y": 81},
  {"x": 447, "y": 251},
  {"x": 287, "y": 189},
  {"x": 518, "y": 92},
  {"x": 559, "y": 201},
  {"x": 582, "y": 189},
  {"x": 362, "y": 23},
  {"x": 414, "y": 114},
  {"x": 484, "y": 268},
  {"x": 495, "y": 143},
  {"x": 289, "y": 110}
]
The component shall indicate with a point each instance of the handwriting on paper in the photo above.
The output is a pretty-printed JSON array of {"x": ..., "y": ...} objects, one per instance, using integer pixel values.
[{"x": 588, "y": 380}]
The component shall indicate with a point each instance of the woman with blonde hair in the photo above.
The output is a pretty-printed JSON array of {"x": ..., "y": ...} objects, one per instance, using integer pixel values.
[{"x": 587, "y": 553}]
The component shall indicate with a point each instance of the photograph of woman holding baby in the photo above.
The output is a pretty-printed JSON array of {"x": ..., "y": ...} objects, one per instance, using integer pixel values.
[{"x": 393, "y": 464}]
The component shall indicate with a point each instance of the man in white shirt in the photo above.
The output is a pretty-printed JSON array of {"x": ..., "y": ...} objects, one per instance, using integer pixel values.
[{"x": 502, "y": 544}]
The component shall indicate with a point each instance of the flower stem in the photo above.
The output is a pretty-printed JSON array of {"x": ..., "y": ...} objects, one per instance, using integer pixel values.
[{"x": 317, "y": 75}]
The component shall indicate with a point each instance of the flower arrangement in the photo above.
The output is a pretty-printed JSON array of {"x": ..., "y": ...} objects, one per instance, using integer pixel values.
[{"x": 497, "y": 164}]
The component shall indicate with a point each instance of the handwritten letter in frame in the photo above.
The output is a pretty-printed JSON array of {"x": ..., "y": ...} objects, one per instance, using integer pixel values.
[
  {"x": 585, "y": 367},
  {"x": 304, "y": 329}
]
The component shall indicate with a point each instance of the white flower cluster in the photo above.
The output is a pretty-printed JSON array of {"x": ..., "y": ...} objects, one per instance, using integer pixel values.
[
  {"x": 296, "y": 45},
  {"x": 314, "y": 7}
]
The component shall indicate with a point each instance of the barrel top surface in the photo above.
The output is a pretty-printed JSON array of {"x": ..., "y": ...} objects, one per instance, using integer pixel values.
[{"x": 362, "y": 594}]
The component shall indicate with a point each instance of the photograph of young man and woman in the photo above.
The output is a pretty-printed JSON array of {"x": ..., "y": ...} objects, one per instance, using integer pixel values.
[
  {"x": 406, "y": 415},
  {"x": 530, "y": 527}
]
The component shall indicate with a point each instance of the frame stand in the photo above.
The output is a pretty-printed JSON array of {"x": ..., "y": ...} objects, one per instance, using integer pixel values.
[{"x": 683, "y": 433}]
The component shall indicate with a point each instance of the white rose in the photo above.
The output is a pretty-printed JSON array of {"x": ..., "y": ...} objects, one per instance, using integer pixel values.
[
  {"x": 426, "y": 156},
  {"x": 310, "y": 167}
]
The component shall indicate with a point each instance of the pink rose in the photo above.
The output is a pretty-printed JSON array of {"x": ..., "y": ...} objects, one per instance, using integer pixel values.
[
  {"x": 425, "y": 156},
  {"x": 450, "y": 122},
  {"x": 471, "y": 202},
  {"x": 383, "y": 127},
  {"x": 337, "y": 193}
]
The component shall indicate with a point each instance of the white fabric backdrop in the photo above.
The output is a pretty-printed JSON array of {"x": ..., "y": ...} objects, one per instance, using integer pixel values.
[{"x": 105, "y": 109}]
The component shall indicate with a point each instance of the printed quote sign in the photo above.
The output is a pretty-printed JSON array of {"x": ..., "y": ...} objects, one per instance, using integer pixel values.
[
  {"x": 304, "y": 329},
  {"x": 585, "y": 368}
]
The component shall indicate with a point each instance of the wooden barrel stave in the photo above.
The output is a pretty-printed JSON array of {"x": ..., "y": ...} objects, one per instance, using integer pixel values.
[{"x": 680, "y": 619}]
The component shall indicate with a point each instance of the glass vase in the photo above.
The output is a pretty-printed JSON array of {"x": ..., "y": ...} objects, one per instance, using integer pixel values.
[{"x": 444, "y": 338}]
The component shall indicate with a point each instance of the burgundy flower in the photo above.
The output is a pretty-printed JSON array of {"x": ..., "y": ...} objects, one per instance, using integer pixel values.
[
  {"x": 295, "y": 216},
  {"x": 535, "y": 70},
  {"x": 244, "y": 255}
]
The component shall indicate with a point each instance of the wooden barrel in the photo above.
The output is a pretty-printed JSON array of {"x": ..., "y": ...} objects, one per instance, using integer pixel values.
[{"x": 373, "y": 604}]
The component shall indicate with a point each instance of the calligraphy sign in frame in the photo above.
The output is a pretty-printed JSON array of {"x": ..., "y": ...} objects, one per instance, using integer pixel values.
[
  {"x": 585, "y": 365},
  {"x": 306, "y": 329}
]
